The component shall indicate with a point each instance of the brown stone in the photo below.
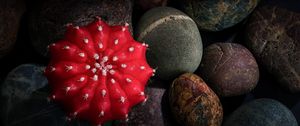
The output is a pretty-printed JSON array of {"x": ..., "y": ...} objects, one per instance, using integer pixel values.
[
  {"x": 193, "y": 103},
  {"x": 273, "y": 35}
]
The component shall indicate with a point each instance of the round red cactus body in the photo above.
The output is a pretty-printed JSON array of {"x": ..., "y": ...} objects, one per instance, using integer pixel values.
[{"x": 98, "y": 72}]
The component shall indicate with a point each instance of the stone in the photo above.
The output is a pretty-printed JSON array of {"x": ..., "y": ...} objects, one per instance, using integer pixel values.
[
  {"x": 217, "y": 15},
  {"x": 229, "y": 69},
  {"x": 261, "y": 112},
  {"x": 272, "y": 35},
  {"x": 175, "y": 45},
  {"x": 193, "y": 103},
  {"x": 48, "y": 19}
]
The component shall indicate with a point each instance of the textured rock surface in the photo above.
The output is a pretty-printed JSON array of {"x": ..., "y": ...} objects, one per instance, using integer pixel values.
[
  {"x": 48, "y": 19},
  {"x": 229, "y": 69},
  {"x": 150, "y": 113},
  {"x": 262, "y": 112},
  {"x": 24, "y": 102},
  {"x": 193, "y": 103},
  {"x": 216, "y": 15},
  {"x": 10, "y": 12},
  {"x": 174, "y": 41},
  {"x": 273, "y": 36}
]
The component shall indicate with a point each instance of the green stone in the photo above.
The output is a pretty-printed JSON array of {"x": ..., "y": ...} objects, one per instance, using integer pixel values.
[{"x": 174, "y": 41}]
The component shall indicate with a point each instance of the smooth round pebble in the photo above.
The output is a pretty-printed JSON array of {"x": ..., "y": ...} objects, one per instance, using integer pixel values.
[
  {"x": 229, "y": 69},
  {"x": 193, "y": 103},
  {"x": 261, "y": 112},
  {"x": 175, "y": 45},
  {"x": 272, "y": 34}
]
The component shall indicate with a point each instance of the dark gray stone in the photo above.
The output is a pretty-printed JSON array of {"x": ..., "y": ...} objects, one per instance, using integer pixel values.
[{"x": 261, "y": 112}]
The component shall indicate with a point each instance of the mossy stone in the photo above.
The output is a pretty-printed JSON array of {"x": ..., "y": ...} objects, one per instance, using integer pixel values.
[
  {"x": 261, "y": 112},
  {"x": 216, "y": 15},
  {"x": 174, "y": 41}
]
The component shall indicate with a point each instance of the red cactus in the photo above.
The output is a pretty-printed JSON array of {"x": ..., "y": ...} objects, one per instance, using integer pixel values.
[{"x": 98, "y": 72}]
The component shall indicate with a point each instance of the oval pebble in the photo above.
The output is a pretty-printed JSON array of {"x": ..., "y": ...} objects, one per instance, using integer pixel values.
[{"x": 193, "y": 103}]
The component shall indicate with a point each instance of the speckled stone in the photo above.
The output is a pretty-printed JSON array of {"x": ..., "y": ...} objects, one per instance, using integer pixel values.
[
  {"x": 48, "y": 19},
  {"x": 216, "y": 15},
  {"x": 175, "y": 44},
  {"x": 229, "y": 69},
  {"x": 193, "y": 103},
  {"x": 261, "y": 112},
  {"x": 24, "y": 102},
  {"x": 11, "y": 12},
  {"x": 273, "y": 36}
]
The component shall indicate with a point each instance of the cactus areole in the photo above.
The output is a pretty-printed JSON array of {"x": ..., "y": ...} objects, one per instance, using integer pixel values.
[{"x": 98, "y": 72}]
